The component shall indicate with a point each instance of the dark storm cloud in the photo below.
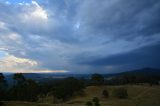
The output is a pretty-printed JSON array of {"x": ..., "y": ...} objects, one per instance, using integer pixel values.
[
  {"x": 144, "y": 57},
  {"x": 121, "y": 18},
  {"x": 82, "y": 35}
]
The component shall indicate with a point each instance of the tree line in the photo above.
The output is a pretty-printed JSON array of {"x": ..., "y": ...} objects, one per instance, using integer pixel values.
[{"x": 24, "y": 89}]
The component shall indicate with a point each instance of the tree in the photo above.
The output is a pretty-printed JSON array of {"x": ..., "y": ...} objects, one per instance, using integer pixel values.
[
  {"x": 31, "y": 90},
  {"x": 3, "y": 87},
  {"x": 18, "y": 90},
  {"x": 105, "y": 94},
  {"x": 19, "y": 78},
  {"x": 97, "y": 79},
  {"x": 67, "y": 87},
  {"x": 1, "y": 77},
  {"x": 24, "y": 89},
  {"x": 3, "y": 82}
]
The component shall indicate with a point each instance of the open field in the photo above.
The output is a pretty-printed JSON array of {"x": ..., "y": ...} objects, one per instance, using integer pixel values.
[{"x": 138, "y": 95}]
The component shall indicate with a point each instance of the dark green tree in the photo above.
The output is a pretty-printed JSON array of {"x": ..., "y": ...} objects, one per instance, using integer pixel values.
[
  {"x": 2, "y": 80},
  {"x": 31, "y": 88},
  {"x": 97, "y": 79},
  {"x": 3, "y": 87},
  {"x": 67, "y": 87},
  {"x": 19, "y": 79},
  {"x": 23, "y": 89}
]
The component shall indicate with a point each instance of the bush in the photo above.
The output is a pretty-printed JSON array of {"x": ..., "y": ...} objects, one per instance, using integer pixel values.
[
  {"x": 120, "y": 93},
  {"x": 97, "y": 104},
  {"x": 97, "y": 79},
  {"x": 89, "y": 103},
  {"x": 105, "y": 94},
  {"x": 96, "y": 101}
]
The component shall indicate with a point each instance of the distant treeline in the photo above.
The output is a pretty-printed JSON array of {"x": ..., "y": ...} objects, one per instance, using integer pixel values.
[
  {"x": 134, "y": 79},
  {"x": 25, "y": 89}
]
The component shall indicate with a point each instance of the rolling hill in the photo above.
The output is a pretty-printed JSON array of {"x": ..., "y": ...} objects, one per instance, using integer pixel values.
[{"x": 141, "y": 95}]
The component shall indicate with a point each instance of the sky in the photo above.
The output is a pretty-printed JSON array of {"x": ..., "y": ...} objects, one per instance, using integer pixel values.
[{"x": 79, "y": 36}]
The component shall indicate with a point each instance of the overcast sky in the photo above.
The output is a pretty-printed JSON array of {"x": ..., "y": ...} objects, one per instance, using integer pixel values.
[{"x": 79, "y": 36}]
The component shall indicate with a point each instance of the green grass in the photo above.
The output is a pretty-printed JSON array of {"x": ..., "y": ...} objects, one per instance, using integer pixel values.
[{"x": 141, "y": 95}]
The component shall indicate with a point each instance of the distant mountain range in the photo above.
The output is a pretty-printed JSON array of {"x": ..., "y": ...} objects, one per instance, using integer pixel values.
[{"x": 52, "y": 76}]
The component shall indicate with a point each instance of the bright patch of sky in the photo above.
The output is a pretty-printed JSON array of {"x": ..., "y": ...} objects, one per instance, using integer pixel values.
[
  {"x": 2, "y": 54},
  {"x": 18, "y": 1}
]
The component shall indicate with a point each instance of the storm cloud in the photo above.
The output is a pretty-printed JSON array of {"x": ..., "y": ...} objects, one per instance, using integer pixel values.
[{"x": 81, "y": 36}]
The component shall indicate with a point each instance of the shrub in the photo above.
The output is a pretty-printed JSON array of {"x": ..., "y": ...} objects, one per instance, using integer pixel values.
[
  {"x": 95, "y": 100},
  {"x": 89, "y": 103},
  {"x": 105, "y": 94},
  {"x": 97, "y": 104},
  {"x": 97, "y": 79},
  {"x": 120, "y": 93}
]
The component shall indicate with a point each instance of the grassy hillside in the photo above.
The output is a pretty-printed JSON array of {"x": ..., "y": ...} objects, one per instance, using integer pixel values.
[{"x": 138, "y": 96}]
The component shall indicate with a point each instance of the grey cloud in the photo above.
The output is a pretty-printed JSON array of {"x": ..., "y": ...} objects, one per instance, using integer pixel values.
[
  {"x": 147, "y": 56},
  {"x": 120, "y": 18},
  {"x": 108, "y": 30}
]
